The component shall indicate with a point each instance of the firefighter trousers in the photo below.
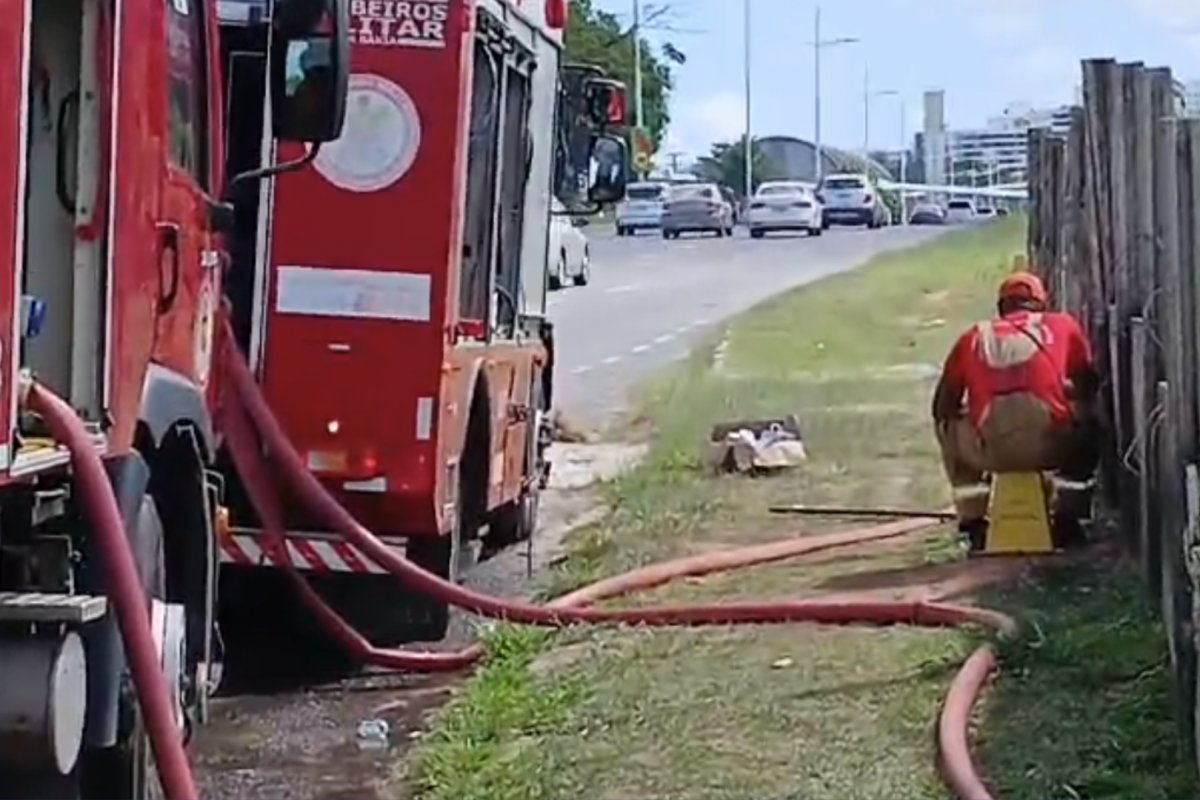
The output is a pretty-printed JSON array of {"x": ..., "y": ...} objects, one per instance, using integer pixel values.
[{"x": 1018, "y": 435}]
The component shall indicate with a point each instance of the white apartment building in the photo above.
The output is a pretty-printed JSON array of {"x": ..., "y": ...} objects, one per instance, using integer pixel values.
[{"x": 1000, "y": 150}]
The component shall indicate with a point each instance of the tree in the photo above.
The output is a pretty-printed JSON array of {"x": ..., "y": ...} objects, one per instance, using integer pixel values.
[
  {"x": 597, "y": 37},
  {"x": 726, "y": 164}
]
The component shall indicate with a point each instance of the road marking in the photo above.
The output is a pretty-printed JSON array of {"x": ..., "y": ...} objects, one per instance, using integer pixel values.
[
  {"x": 620, "y": 289},
  {"x": 666, "y": 337},
  {"x": 580, "y": 370},
  {"x": 612, "y": 359},
  {"x": 641, "y": 348}
]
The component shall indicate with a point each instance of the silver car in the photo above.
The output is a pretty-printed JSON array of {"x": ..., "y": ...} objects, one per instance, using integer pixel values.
[
  {"x": 852, "y": 199},
  {"x": 959, "y": 211},
  {"x": 698, "y": 207}
]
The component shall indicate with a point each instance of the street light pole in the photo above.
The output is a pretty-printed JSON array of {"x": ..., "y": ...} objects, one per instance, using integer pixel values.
[
  {"x": 749, "y": 152},
  {"x": 866, "y": 110},
  {"x": 903, "y": 165},
  {"x": 637, "y": 63},
  {"x": 638, "y": 118},
  {"x": 818, "y": 44},
  {"x": 820, "y": 168}
]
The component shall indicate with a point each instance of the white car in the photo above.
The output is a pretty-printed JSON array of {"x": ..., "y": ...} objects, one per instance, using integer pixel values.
[
  {"x": 852, "y": 199},
  {"x": 959, "y": 211},
  {"x": 784, "y": 206},
  {"x": 642, "y": 207},
  {"x": 568, "y": 256}
]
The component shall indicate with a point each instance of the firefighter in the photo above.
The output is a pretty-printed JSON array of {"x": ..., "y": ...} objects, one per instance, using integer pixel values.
[{"x": 1017, "y": 393}]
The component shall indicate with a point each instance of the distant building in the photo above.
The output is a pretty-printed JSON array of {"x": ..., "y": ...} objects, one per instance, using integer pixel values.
[
  {"x": 999, "y": 152},
  {"x": 933, "y": 137},
  {"x": 1191, "y": 98}
]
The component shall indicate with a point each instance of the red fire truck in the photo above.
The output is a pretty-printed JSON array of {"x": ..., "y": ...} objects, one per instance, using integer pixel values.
[
  {"x": 111, "y": 190},
  {"x": 391, "y": 297}
]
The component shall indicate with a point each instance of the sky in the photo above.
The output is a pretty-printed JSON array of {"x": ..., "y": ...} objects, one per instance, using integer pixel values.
[{"x": 985, "y": 54}]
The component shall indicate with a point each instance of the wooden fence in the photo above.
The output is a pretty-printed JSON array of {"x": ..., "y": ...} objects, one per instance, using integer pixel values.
[{"x": 1115, "y": 231}]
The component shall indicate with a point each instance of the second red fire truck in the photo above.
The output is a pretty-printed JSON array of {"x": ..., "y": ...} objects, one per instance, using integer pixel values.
[{"x": 391, "y": 297}]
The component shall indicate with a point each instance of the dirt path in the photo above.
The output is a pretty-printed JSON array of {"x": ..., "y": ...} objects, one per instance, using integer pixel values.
[{"x": 303, "y": 743}]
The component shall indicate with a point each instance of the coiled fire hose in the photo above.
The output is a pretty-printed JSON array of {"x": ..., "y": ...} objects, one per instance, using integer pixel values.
[{"x": 255, "y": 439}]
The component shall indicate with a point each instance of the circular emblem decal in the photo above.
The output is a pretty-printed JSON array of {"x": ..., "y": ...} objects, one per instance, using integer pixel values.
[{"x": 379, "y": 140}]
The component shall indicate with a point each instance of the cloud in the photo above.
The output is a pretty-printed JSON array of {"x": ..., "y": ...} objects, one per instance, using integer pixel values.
[{"x": 695, "y": 126}]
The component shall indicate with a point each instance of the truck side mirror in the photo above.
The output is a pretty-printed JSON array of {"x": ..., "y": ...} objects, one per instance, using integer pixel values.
[
  {"x": 310, "y": 69},
  {"x": 609, "y": 169},
  {"x": 606, "y": 102}
]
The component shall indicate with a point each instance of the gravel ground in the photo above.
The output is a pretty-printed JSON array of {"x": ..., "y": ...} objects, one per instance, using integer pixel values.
[{"x": 303, "y": 744}]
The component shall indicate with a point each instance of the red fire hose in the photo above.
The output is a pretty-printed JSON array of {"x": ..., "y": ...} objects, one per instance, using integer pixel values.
[
  {"x": 125, "y": 591},
  {"x": 254, "y": 437},
  {"x": 248, "y": 425}
]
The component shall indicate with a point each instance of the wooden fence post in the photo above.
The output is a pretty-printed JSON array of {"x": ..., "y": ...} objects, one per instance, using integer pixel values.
[
  {"x": 1189, "y": 223},
  {"x": 1142, "y": 400},
  {"x": 1176, "y": 595},
  {"x": 1075, "y": 275},
  {"x": 1141, "y": 260}
]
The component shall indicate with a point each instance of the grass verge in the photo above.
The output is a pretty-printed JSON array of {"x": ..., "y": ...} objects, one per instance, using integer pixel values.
[{"x": 803, "y": 711}]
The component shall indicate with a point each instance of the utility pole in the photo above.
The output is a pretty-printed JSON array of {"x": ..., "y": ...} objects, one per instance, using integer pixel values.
[{"x": 749, "y": 151}]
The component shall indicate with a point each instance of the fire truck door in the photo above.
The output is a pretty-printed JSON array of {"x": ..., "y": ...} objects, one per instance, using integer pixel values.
[
  {"x": 13, "y": 58},
  {"x": 187, "y": 259}
]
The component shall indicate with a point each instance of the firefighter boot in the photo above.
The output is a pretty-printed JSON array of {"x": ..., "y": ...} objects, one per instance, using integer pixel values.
[{"x": 1072, "y": 507}]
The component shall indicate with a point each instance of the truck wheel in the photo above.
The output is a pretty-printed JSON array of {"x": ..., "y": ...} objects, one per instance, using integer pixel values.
[
  {"x": 126, "y": 771},
  {"x": 757, "y": 233},
  {"x": 556, "y": 277},
  {"x": 585, "y": 269}
]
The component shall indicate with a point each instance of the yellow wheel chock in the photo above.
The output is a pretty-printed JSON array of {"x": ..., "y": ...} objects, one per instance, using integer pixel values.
[{"x": 1019, "y": 515}]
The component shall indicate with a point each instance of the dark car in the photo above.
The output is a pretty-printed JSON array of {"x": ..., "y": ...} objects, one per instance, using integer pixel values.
[
  {"x": 927, "y": 215},
  {"x": 696, "y": 207}
]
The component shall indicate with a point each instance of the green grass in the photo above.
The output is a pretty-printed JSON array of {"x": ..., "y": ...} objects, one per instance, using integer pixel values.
[
  {"x": 802, "y": 710},
  {"x": 1082, "y": 706}
]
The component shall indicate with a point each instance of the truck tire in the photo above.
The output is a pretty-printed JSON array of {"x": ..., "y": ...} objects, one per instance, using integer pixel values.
[{"x": 126, "y": 771}]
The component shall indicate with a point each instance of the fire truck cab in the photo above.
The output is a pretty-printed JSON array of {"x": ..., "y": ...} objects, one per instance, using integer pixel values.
[
  {"x": 111, "y": 210},
  {"x": 391, "y": 298}
]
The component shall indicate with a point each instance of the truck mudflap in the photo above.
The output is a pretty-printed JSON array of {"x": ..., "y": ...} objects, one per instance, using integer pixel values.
[{"x": 314, "y": 552}]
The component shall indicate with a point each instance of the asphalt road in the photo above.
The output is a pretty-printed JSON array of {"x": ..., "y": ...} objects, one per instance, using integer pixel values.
[{"x": 649, "y": 300}]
